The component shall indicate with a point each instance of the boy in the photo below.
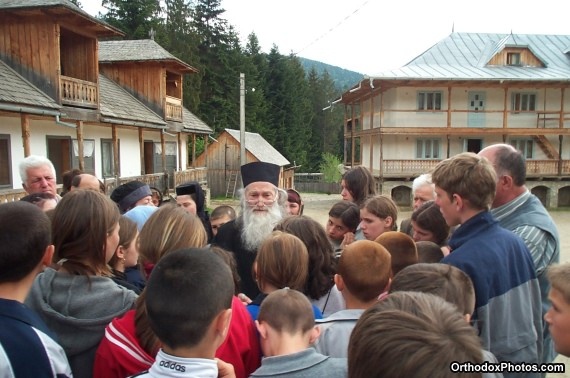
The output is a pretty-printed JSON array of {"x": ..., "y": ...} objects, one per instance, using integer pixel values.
[
  {"x": 497, "y": 261},
  {"x": 27, "y": 348},
  {"x": 363, "y": 274},
  {"x": 412, "y": 335},
  {"x": 344, "y": 217},
  {"x": 402, "y": 249},
  {"x": 220, "y": 216},
  {"x": 286, "y": 328},
  {"x": 195, "y": 279}
]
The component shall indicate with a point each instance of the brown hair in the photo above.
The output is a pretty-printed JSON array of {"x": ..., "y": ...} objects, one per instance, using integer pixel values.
[
  {"x": 282, "y": 261},
  {"x": 365, "y": 269},
  {"x": 168, "y": 229},
  {"x": 322, "y": 265},
  {"x": 402, "y": 248},
  {"x": 559, "y": 277},
  {"x": 429, "y": 252},
  {"x": 287, "y": 311},
  {"x": 360, "y": 183},
  {"x": 429, "y": 217},
  {"x": 468, "y": 175},
  {"x": 81, "y": 223},
  {"x": 229, "y": 259},
  {"x": 443, "y": 280},
  {"x": 383, "y": 207},
  {"x": 348, "y": 213},
  {"x": 127, "y": 234},
  {"x": 409, "y": 321}
]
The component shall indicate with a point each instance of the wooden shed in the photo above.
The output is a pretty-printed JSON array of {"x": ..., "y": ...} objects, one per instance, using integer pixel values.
[{"x": 222, "y": 158}]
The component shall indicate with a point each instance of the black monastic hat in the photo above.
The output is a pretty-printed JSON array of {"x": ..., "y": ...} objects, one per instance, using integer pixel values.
[{"x": 260, "y": 171}]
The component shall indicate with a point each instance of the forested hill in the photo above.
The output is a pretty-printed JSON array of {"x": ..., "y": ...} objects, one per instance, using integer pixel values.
[{"x": 342, "y": 78}]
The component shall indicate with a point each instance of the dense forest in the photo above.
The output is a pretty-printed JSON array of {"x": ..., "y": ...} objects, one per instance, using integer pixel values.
[{"x": 286, "y": 107}]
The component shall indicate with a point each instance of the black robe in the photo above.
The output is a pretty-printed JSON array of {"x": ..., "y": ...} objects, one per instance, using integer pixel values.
[{"x": 229, "y": 238}]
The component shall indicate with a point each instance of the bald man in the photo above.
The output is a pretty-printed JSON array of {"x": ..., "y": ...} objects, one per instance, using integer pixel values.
[
  {"x": 85, "y": 181},
  {"x": 518, "y": 210}
]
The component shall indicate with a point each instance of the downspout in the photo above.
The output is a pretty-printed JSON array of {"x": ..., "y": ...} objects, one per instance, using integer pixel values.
[{"x": 58, "y": 122}]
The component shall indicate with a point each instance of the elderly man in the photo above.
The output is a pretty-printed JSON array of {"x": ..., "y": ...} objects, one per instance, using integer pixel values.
[
  {"x": 38, "y": 175},
  {"x": 422, "y": 189},
  {"x": 521, "y": 212},
  {"x": 262, "y": 206}
]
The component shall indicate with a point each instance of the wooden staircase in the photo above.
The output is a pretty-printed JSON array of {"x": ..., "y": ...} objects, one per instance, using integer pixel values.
[
  {"x": 232, "y": 184},
  {"x": 546, "y": 146}
]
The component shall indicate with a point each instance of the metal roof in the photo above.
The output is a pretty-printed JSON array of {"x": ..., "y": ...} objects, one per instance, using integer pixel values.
[
  {"x": 140, "y": 50},
  {"x": 116, "y": 104},
  {"x": 16, "y": 90},
  {"x": 464, "y": 56},
  {"x": 260, "y": 148}
]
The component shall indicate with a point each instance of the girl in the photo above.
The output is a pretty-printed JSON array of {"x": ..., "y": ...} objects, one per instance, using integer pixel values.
[
  {"x": 429, "y": 225},
  {"x": 78, "y": 299},
  {"x": 127, "y": 253},
  {"x": 357, "y": 184},
  {"x": 344, "y": 218},
  {"x": 282, "y": 261},
  {"x": 378, "y": 215}
]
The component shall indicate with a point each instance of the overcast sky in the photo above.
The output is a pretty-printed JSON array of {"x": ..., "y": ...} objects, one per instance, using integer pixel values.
[{"x": 371, "y": 36}]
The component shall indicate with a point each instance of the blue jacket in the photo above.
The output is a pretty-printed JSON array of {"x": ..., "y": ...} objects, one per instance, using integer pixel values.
[{"x": 508, "y": 312}]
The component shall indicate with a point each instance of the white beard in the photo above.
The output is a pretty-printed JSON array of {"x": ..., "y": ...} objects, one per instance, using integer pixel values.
[{"x": 258, "y": 225}]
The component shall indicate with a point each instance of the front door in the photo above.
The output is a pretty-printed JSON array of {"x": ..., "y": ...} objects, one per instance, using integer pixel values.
[
  {"x": 476, "y": 107},
  {"x": 59, "y": 152}
]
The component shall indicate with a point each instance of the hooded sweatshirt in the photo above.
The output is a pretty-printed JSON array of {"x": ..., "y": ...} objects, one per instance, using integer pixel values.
[{"x": 77, "y": 309}]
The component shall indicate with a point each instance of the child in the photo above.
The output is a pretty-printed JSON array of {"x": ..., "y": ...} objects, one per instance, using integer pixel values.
[
  {"x": 294, "y": 205},
  {"x": 287, "y": 327},
  {"x": 558, "y": 316},
  {"x": 444, "y": 281},
  {"x": 378, "y": 214},
  {"x": 179, "y": 281},
  {"x": 220, "y": 216},
  {"x": 127, "y": 253},
  {"x": 429, "y": 252},
  {"x": 344, "y": 218},
  {"x": 27, "y": 347},
  {"x": 402, "y": 248},
  {"x": 414, "y": 335},
  {"x": 363, "y": 274},
  {"x": 282, "y": 261}
]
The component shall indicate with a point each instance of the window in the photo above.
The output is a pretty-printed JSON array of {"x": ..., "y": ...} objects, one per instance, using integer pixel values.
[
  {"x": 108, "y": 158},
  {"x": 88, "y": 155},
  {"x": 5, "y": 162},
  {"x": 525, "y": 146},
  {"x": 429, "y": 100},
  {"x": 523, "y": 102},
  {"x": 427, "y": 149},
  {"x": 513, "y": 59}
]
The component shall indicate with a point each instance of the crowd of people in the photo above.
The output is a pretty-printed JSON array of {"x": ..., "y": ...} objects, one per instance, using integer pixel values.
[{"x": 129, "y": 283}]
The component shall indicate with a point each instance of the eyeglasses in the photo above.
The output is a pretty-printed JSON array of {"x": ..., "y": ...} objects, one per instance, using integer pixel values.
[{"x": 255, "y": 201}]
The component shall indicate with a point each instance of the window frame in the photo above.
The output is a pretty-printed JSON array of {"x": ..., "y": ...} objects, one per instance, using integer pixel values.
[
  {"x": 8, "y": 159},
  {"x": 528, "y": 144},
  {"x": 514, "y": 59},
  {"x": 112, "y": 158},
  {"x": 523, "y": 102},
  {"x": 433, "y": 144},
  {"x": 429, "y": 101}
]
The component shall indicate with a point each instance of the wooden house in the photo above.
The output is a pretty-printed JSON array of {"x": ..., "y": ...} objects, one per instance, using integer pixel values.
[
  {"x": 59, "y": 100},
  {"x": 466, "y": 92},
  {"x": 223, "y": 161}
]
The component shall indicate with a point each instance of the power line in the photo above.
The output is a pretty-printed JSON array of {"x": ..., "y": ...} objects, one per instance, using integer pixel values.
[{"x": 333, "y": 28}]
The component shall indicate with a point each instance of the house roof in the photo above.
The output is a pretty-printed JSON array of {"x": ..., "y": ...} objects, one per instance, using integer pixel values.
[
  {"x": 98, "y": 26},
  {"x": 142, "y": 50},
  {"x": 16, "y": 90},
  {"x": 260, "y": 148},
  {"x": 464, "y": 56},
  {"x": 193, "y": 124},
  {"x": 119, "y": 106}
]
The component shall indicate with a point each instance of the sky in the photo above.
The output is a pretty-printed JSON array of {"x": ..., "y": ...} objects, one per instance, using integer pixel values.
[{"x": 372, "y": 36}]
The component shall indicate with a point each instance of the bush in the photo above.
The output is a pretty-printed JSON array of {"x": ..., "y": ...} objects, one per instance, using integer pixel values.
[{"x": 329, "y": 168}]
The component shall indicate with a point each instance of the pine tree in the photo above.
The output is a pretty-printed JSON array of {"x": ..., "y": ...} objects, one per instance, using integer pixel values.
[{"x": 134, "y": 17}]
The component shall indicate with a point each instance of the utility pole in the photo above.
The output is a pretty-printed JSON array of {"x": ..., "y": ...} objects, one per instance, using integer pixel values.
[{"x": 242, "y": 118}]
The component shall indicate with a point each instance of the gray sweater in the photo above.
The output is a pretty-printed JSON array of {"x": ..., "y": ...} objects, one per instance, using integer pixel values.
[
  {"x": 77, "y": 309},
  {"x": 305, "y": 364}
]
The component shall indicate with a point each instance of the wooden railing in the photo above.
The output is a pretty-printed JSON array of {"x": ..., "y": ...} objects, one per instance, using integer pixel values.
[
  {"x": 173, "y": 109},
  {"x": 414, "y": 167},
  {"x": 198, "y": 174},
  {"x": 78, "y": 92}
]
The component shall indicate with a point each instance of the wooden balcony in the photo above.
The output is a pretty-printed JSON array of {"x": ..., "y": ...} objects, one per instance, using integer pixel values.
[
  {"x": 81, "y": 93},
  {"x": 173, "y": 109},
  {"x": 411, "y": 168}
]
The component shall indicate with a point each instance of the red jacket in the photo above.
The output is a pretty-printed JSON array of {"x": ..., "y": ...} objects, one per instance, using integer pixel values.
[{"x": 119, "y": 355}]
